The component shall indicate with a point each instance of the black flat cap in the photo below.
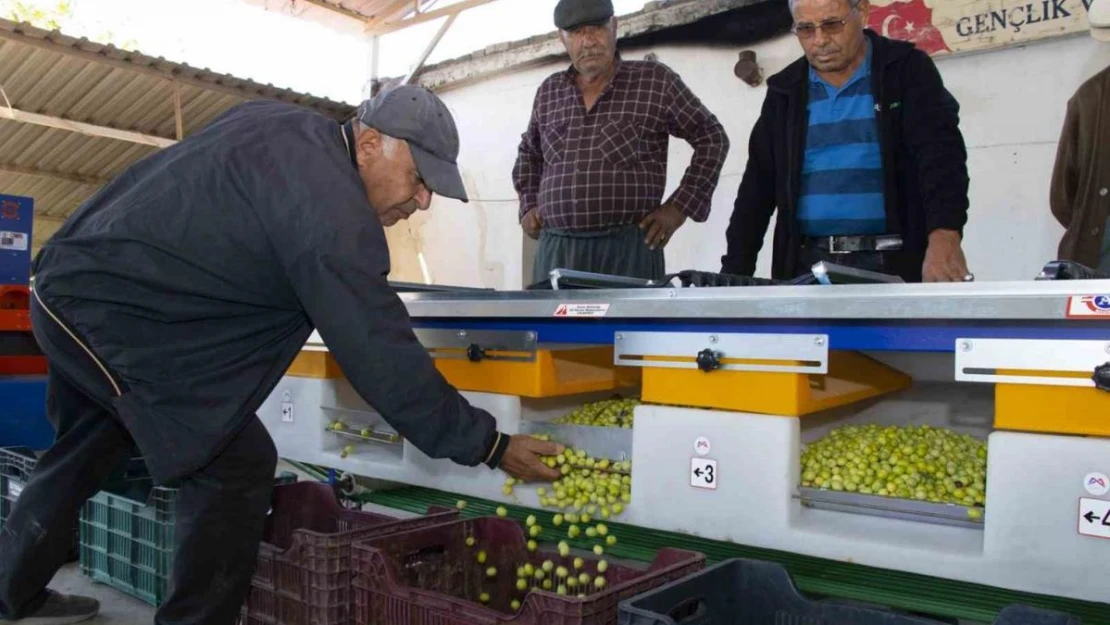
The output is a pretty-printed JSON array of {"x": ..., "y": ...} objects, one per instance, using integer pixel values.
[{"x": 570, "y": 14}]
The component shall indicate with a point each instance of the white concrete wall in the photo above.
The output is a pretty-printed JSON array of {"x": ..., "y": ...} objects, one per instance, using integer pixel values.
[{"x": 1013, "y": 103}]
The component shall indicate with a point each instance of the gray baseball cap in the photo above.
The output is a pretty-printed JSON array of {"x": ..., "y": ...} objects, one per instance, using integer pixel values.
[
  {"x": 570, "y": 14},
  {"x": 419, "y": 117}
]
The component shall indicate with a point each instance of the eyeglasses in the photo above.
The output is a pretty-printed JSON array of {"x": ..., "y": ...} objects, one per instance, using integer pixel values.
[{"x": 831, "y": 27}]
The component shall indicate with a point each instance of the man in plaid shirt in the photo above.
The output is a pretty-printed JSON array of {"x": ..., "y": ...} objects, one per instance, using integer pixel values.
[{"x": 592, "y": 166}]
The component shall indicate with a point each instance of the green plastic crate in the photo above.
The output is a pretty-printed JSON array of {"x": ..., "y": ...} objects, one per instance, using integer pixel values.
[{"x": 127, "y": 539}]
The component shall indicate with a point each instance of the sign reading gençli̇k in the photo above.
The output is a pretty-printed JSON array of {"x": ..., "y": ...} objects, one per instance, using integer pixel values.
[{"x": 941, "y": 27}]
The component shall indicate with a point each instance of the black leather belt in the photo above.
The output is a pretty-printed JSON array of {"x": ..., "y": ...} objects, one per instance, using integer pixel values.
[{"x": 847, "y": 244}]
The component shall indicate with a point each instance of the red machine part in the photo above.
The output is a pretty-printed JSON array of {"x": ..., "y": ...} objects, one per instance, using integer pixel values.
[{"x": 15, "y": 316}]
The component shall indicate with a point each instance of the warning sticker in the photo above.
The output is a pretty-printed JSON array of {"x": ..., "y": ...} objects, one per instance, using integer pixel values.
[
  {"x": 14, "y": 241},
  {"x": 581, "y": 310},
  {"x": 1088, "y": 306}
]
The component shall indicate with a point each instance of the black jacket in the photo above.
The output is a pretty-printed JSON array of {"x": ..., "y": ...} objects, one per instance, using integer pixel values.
[
  {"x": 923, "y": 154},
  {"x": 198, "y": 274}
]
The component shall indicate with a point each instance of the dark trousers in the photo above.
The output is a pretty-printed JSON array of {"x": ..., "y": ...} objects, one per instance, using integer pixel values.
[
  {"x": 615, "y": 252},
  {"x": 220, "y": 509},
  {"x": 868, "y": 261}
]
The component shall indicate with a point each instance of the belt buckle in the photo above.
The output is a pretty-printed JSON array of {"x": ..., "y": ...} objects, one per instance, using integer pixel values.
[
  {"x": 888, "y": 243},
  {"x": 833, "y": 249}
]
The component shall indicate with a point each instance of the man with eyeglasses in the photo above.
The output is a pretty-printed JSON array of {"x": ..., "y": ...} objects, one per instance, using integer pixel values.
[{"x": 858, "y": 147}]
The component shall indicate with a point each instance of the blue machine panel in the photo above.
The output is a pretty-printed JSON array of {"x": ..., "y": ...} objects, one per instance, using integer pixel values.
[
  {"x": 23, "y": 412},
  {"x": 17, "y": 215}
]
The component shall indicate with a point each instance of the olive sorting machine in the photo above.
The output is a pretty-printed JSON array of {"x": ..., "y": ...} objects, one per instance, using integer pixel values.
[{"x": 734, "y": 381}]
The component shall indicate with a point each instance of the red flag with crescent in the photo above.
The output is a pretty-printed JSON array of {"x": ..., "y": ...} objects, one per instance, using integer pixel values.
[{"x": 908, "y": 20}]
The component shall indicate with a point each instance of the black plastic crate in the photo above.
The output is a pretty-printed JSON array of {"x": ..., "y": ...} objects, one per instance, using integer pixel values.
[
  {"x": 16, "y": 465},
  {"x": 752, "y": 592}
]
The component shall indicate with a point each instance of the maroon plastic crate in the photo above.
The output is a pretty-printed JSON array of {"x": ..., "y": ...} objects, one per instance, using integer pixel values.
[
  {"x": 431, "y": 577},
  {"x": 303, "y": 572}
]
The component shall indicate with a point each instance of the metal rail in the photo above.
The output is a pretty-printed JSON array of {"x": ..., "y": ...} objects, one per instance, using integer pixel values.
[{"x": 988, "y": 301}]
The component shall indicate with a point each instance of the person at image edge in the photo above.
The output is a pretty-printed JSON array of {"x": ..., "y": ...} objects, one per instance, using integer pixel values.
[{"x": 1080, "y": 191}]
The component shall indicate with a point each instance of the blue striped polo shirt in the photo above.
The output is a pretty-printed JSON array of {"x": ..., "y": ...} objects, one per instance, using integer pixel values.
[{"x": 842, "y": 174}]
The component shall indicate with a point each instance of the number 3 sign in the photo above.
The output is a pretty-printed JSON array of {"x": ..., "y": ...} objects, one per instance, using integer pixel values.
[{"x": 703, "y": 473}]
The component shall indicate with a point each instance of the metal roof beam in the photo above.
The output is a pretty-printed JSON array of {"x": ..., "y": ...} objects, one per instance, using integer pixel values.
[
  {"x": 377, "y": 28},
  {"x": 431, "y": 48},
  {"x": 95, "y": 181},
  {"x": 91, "y": 130}
]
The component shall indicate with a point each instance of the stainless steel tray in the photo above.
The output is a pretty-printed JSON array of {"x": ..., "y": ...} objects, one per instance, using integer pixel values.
[
  {"x": 612, "y": 443},
  {"x": 370, "y": 437},
  {"x": 356, "y": 421},
  {"x": 889, "y": 507}
]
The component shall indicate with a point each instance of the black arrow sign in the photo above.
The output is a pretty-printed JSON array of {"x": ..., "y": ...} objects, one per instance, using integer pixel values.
[
  {"x": 697, "y": 472},
  {"x": 1090, "y": 516}
]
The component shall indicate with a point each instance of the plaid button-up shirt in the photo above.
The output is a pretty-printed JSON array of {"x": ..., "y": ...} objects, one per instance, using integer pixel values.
[{"x": 607, "y": 167}]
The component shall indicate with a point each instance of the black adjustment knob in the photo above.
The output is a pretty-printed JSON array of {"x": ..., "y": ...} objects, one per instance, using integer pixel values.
[
  {"x": 708, "y": 360},
  {"x": 475, "y": 353},
  {"x": 1102, "y": 377}
]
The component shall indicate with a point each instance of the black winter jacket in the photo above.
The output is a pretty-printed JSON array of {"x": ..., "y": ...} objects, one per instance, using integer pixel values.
[
  {"x": 198, "y": 274},
  {"x": 923, "y": 155}
]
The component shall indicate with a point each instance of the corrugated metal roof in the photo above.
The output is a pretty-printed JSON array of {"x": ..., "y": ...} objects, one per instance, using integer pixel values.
[{"x": 74, "y": 79}]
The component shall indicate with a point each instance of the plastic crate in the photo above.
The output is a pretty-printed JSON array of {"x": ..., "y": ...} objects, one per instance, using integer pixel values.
[
  {"x": 752, "y": 592},
  {"x": 303, "y": 575},
  {"x": 16, "y": 465},
  {"x": 431, "y": 577},
  {"x": 127, "y": 536}
]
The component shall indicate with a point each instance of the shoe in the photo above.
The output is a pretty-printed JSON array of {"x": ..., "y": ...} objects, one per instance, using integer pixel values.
[{"x": 62, "y": 609}]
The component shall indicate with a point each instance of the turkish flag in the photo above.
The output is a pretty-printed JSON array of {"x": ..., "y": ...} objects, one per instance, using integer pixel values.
[{"x": 908, "y": 20}]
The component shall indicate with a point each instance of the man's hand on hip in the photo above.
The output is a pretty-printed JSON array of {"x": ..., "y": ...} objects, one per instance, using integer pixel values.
[
  {"x": 661, "y": 224},
  {"x": 522, "y": 459},
  {"x": 944, "y": 258},
  {"x": 532, "y": 223}
]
